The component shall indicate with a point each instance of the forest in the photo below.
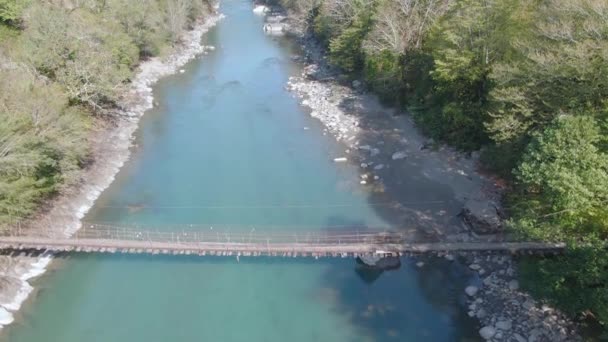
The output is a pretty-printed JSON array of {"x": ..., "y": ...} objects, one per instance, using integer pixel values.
[
  {"x": 63, "y": 66},
  {"x": 523, "y": 81}
]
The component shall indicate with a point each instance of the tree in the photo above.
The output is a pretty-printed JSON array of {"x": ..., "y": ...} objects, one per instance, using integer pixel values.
[
  {"x": 177, "y": 16},
  {"x": 559, "y": 65},
  {"x": 345, "y": 49},
  {"x": 566, "y": 174}
]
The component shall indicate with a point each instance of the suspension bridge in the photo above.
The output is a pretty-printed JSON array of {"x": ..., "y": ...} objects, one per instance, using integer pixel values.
[{"x": 190, "y": 240}]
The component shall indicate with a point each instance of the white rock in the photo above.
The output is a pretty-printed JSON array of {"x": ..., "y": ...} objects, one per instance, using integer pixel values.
[
  {"x": 420, "y": 264},
  {"x": 181, "y": 71},
  {"x": 449, "y": 257},
  {"x": 399, "y": 155},
  {"x": 363, "y": 182},
  {"x": 363, "y": 165},
  {"x": 471, "y": 290},
  {"x": 504, "y": 325},
  {"x": 260, "y": 9},
  {"x": 487, "y": 332},
  {"x": 5, "y": 316},
  {"x": 379, "y": 167},
  {"x": 340, "y": 159},
  {"x": 474, "y": 267},
  {"x": 513, "y": 285}
]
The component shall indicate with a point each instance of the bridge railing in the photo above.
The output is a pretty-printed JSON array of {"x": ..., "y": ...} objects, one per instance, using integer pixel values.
[{"x": 192, "y": 235}]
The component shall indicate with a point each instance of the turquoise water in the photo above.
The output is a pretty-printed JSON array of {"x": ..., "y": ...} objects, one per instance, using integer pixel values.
[{"x": 227, "y": 147}]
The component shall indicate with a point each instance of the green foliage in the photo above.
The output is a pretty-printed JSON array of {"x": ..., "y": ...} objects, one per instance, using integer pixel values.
[
  {"x": 64, "y": 61},
  {"x": 565, "y": 169},
  {"x": 559, "y": 65},
  {"x": 91, "y": 58},
  {"x": 383, "y": 72},
  {"x": 42, "y": 142},
  {"x": 345, "y": 49},
  {"x": 11, "y": 10},
  {"x": 577, "y": 281}
]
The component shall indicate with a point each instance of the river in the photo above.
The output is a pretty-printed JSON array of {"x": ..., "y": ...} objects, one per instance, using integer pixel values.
[{"x": 229, "y": 147}]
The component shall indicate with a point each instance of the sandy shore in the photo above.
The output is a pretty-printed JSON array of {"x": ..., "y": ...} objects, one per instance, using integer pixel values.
[{"x": 111, "y": 143}]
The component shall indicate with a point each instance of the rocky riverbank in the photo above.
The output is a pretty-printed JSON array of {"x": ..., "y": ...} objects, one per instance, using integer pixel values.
[
  {"x": 387, "y": 147},
  {"x": 111, "y": 142},
  {"x": 508, "y": 314}
]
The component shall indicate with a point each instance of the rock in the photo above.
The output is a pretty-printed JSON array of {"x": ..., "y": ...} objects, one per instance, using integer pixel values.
[
  {"x": 471, "y": 290},
  {"x": 504, "y": 325},
  {"x": 420, "y": 264},
  {"x": 519, "y": 338},
  {"x": 375, "y": 261},
  {"x": 399, "y": 155},
  {"x": 449, "y": 257},
  {"x": 362, "y": 182},
  {"x": 340, "y": 159},
  {"x": 487, "y": 332},
  {"x": 261, "y": 9},
  {"x": 379, "y": 167},
  {"x": 274, "y": 28},
  {"x": 363, "y": 165},
  {"x": 513, "y": 285},
  {"x": 474, "y": 267},
  {"x": 481, "y": 216},
  {"x": 181, "y": 71},
  {"x": 369, "y": 260},
  {"x": 481, "y": 313},
  {"x": 5, "y": 316},
  {"x": 528, "y": 305}
]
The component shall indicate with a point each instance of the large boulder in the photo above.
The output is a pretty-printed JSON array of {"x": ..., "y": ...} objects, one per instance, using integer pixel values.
[
  {"x": 379, "y": 262},
  {"x": 481, "y": 216}
]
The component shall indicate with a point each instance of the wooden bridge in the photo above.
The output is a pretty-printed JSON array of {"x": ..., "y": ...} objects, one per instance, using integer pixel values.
[{"x": 225, "y": 242}]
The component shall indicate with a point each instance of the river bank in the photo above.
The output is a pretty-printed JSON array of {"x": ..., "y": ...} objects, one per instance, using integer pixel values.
[
  {"x": 387, "y": 146},
  {"x": 110, "y": 141}
]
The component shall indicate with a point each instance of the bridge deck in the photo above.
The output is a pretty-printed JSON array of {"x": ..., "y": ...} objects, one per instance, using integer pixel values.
[{"x": 107, "y": 239}]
